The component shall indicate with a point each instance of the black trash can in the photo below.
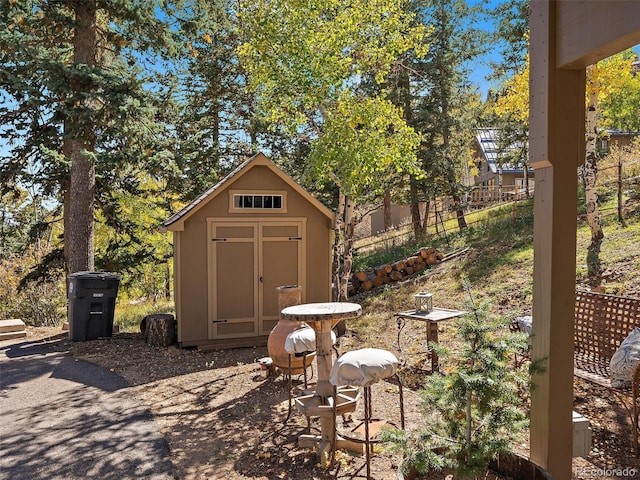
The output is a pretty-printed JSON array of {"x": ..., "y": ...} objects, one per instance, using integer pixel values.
[{"x": 92, "y": 301}]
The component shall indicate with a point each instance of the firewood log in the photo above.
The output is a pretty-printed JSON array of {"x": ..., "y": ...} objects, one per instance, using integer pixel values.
[
  {"x": 361, "y": 276},
  {"x": 412, "y": 260},
  {"x": 383, "y": 270},
  {"x": 395, "y": 276},
  {"x": 432, "y": 258},
  {"x": 399, "y": 265}
]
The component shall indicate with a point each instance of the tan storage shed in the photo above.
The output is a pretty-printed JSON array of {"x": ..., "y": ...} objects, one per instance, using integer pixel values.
[{"x": 255, "y": 230}]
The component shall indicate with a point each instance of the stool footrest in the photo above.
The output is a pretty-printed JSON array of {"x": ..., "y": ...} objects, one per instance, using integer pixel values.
[
  {"x": 315, "y": 406},
  {"x": 357, "y": 434}
]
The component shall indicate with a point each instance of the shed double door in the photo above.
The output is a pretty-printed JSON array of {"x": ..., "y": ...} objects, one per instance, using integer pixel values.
[{"x": 247, "y": 261}]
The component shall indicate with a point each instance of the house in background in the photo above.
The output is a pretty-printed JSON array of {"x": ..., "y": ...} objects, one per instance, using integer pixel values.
[
  {"x": 255, "y": 230},
  {"x": 616, "y": 137},
  {"x": 400, "y": 215},
  {"x": 496, "y": 180},
  {"x": 489, "y": 180}
]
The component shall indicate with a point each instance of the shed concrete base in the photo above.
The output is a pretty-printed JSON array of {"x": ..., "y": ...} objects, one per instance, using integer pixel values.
[{"x": 206, "y": 345}]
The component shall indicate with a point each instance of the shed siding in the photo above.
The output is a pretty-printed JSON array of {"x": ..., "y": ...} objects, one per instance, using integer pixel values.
[
  {"x": 193, "y": 264},
  {"x": 193, "y": 284}
]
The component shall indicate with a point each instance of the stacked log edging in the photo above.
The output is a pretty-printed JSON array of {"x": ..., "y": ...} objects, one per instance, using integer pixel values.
[{"x": 363, "y": 281}]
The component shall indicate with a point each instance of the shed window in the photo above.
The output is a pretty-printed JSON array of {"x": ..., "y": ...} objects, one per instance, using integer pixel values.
[{"x": 271, "y": 201}]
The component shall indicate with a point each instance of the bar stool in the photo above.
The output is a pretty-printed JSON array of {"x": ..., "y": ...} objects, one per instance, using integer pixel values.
[
  {"x": 363, "y": 368},
  {"x": 302, "y": 342}
]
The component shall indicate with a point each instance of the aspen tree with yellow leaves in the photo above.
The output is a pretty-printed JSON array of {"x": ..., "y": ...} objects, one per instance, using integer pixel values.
[
  {"x": 305, "y": 62},
  {"x": 612, "y": 100},
  {"x": 608, "y": 82},
  {"x": 590, "y": 167}
]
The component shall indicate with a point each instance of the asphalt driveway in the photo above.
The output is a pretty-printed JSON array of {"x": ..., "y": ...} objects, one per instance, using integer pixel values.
[{"x": 63, "y": 418}]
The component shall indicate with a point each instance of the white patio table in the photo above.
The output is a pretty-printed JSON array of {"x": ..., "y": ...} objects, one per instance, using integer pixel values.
[{"x": 322, "y": 317}]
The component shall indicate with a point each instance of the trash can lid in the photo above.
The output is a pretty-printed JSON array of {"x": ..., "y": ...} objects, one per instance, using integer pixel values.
[{"x": 95, "y": 275}]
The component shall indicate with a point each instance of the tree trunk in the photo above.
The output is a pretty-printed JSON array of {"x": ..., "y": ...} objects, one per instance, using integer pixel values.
[
  {"x": 387, "y": 209},
  {"x": 167, "y": 280},
  {"x": 342, "y": 252},
  {"x": 158, "y": 330},
  {"x": 349, "y": 228},
  {"x": 462, "y": 221},
  {"x": 3, "y": 238},
  {"x": 527, "y": 191},
  {"x": 620, "y": 204},
  {"x": 404, "y": 86},
  {"x": 416, "y": 221},
  {"x": 338, "y": 243},
  {"x": 590, "y": 169},
  {"x": 589, "y": 177},
  {"x": 78, "y": 147},
  {"x": 453, "y": 183},
  {"x": 427, "y": 216}
]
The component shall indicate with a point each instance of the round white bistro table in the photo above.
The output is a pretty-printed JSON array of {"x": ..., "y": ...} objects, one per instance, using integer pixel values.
[{"x": 322, "y": 317}]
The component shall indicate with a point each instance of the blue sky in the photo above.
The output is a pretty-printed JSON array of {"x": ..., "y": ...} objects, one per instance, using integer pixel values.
[
  {"x": 478, "y": 75},
  {"x": 481, "y": 68}
]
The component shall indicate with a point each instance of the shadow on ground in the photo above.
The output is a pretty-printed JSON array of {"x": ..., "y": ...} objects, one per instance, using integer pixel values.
[{"x": 65, "y": 418}]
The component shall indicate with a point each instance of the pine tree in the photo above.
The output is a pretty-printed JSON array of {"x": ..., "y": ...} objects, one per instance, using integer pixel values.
[
  {"x": 86, "y": 85},
  {"x": 510, "y": 37},
  {"x": 439, "y": 102},
  {"x": 215, "y": 125},
  {"x": 474, "y": 410}
]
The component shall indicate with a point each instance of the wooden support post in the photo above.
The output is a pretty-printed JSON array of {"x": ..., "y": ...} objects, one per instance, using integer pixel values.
[
  {"x": 620, "y": 204},
  {"x": 566, "y": 37},
  {"x": 324, "y": 389},
  {"x": 557, "y": 138}
]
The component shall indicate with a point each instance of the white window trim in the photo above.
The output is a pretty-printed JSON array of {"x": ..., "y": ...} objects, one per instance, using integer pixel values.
[{"x": 234, "y": 193}]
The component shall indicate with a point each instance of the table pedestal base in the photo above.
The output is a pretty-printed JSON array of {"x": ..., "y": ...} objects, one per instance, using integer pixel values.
[
  {"x": 324, "y": 447},
  {"x": 322, "y": 406},
  {"x": 321, "y": 317},
  {"x": 353, "y": 445}
]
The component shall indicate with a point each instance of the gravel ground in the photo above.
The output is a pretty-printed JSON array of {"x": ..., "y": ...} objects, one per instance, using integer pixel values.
[{"x": 223, "y": 420}]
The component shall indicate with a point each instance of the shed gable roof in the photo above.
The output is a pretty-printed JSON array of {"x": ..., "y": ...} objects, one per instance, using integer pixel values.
[{"x": 176, "y": 221}]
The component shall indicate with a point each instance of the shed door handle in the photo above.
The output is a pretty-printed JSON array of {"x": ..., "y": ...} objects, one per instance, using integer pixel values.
[{"x": 261, "y": 279}]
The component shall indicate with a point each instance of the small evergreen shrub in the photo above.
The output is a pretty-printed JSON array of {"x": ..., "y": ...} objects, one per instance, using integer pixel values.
[{"x": 474, "y": 410}]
